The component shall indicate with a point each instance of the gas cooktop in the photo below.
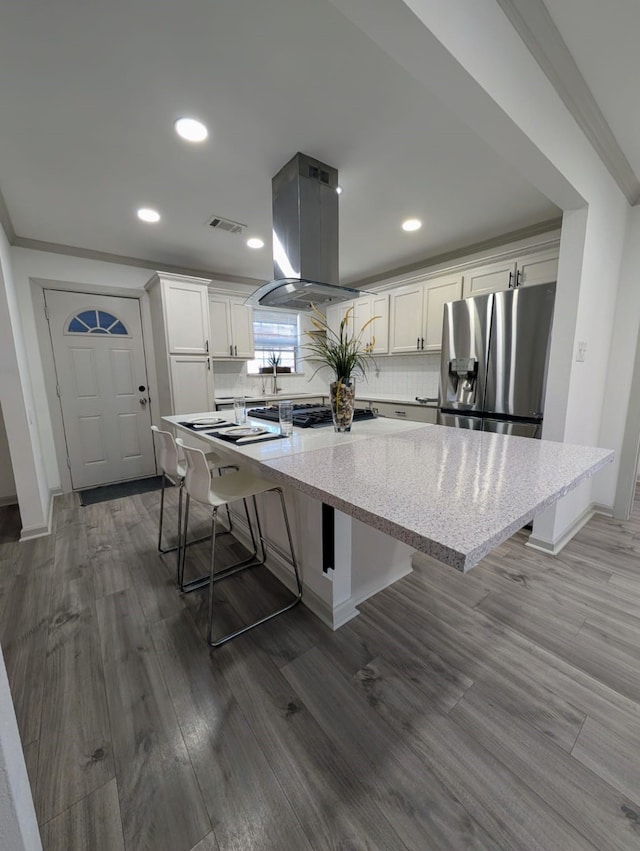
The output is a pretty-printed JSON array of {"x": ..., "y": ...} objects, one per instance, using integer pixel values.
[{"x": 307, "y": 415}]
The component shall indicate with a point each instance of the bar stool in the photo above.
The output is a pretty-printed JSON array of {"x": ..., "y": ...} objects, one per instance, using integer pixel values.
[
  {"x": 175, "y": 470},
  {"x": 217, "y": 493}
]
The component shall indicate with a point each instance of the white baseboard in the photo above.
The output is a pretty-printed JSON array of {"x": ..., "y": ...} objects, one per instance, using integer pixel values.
[
  {"x": 599, "y": 508},
  {"x": 29, "y": 533},
  {"x": 8, "y": 500},
  {"x": 554, "y": 547}
]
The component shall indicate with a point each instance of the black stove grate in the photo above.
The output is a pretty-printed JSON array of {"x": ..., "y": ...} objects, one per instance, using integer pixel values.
[{"x": 307, "y": 415}]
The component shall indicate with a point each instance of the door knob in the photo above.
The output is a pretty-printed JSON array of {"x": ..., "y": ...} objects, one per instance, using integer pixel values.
[{"x": 143, "y": 401}]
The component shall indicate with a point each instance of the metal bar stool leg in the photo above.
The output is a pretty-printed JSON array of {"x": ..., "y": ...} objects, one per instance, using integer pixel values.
[
  {"x": 223, "y": 575},
  {"x": 236, "y": 567}
]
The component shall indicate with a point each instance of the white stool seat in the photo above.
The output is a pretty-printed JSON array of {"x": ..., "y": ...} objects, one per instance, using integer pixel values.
[
  {"x": 174, "y": 468},
  {"x": 218, "y": 492}
]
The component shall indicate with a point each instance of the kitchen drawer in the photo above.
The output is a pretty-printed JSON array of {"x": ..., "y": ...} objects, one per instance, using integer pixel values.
[{"x": 416, "y": 413}]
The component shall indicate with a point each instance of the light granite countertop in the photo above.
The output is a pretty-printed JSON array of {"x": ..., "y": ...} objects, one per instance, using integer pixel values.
[{"x": 453, "y": 494}]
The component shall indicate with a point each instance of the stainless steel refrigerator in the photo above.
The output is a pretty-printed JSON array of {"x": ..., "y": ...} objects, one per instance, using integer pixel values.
[{"x": 495, "y": 351}]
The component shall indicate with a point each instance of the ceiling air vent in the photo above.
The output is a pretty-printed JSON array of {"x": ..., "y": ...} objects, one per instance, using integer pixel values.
[{"x": 230, "y": 226}]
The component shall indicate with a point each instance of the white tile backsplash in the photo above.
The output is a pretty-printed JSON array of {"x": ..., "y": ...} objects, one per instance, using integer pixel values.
[
  {"x": 231, "y": 379},
  {"x": 405, "y": 376}
]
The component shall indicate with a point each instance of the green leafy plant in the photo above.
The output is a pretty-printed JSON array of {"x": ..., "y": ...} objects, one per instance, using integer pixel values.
[{"x": 343, "y": 351}]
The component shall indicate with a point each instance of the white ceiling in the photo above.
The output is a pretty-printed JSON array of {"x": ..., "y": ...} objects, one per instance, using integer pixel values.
[
  {"x": 603, "y": 40},
  {"x": 89, "y": 93}
]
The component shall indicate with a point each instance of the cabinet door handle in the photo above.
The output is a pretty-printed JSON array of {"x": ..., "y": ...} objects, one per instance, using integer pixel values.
[
  {"x": 209, "y": 364},
  {"x": 417, "y": 342},
  {"x": 510, "y": 279},
  {"x": 231, "y": 350},
  {"x": 206, "y": 346},
  {"x": 236, "y": 350},
  {"x": 401, "y": 413},
  {"x": 422, "y": 342},
  {"x": 518, "y": 281}
]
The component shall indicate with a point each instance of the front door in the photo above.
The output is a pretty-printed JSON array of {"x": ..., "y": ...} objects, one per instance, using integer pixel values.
[{"x": 102, "y": 385}]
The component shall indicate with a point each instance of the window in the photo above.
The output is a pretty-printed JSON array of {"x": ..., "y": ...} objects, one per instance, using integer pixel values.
[
  {"x": 96, "y": 322},
  {"x": 275, "y": 332}
]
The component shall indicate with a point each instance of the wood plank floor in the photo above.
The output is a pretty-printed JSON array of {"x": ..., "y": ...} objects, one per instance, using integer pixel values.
[{"x": 495, "y": 710}]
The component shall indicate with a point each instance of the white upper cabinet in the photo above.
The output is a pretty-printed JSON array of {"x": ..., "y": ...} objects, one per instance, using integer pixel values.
[
  {"x": 436, "y": 294},
  {"x": 363, "y": 309},
  {"x": 416, "y": 312},
  {"x": 242, "y": 330},
  {"x": 231, "y": 327},
  {"x": 186, "y": 316},
  {"x": 527, "y": 270},
  {"x": 220, "y": 324},
  {"x": 335, "y": 314},
  {"x": 539, "y": 268},
  {"x": 376, "y": 334},
  {"x": 405, "y": 318}
]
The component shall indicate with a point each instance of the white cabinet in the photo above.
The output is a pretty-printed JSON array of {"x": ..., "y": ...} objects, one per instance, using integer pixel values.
[
  {"x": 180, "y": 324},
  {"x": 416, "y": 312},
  {"x": 336, "y": 313},
  {"x": 527, "y": 270},
  {"x": 405, "y": 318},
  {"x": 191, "y": 384},
  {"x": 231, "y": 328},
  {"x": 186, "y": 315},
  {"x": 363, "y": 309},
  {"x": 376, "y": 334},
  {"x": 416, "y": 413}
]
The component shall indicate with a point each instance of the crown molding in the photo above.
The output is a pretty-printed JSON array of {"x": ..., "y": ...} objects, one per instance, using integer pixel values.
[
  {"x": 5, "y": 220},
  {"x": 536, "y": 28},
  {"x": 455, "y": 254},
  {"x": 122, "y": 260}
]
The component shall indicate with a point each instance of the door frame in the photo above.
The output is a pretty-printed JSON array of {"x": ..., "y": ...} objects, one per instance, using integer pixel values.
[{"x": 38, "y": 286}]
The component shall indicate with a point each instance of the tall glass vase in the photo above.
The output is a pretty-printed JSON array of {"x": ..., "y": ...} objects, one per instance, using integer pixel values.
[{"x": 342, "y": 393}]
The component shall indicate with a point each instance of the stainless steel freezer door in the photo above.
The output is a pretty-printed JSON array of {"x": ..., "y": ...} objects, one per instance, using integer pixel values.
[
  {"x": 465, "y": 339},
  {"x": 519, "y": 351},
  {"x": 518, "y": 429},
  {"x": 459, "y": 421}
]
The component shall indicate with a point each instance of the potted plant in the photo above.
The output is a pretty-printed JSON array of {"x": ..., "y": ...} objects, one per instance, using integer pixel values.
[
  {"x": 346, "y": 355},
  {"x": 273, "y": 362}
]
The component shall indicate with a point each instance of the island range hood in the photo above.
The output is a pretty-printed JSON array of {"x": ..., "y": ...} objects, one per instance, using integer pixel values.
[{"x": 305, "y": 239}]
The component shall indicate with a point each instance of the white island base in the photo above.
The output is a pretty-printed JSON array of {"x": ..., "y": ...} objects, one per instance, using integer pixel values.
[
  {"x": 365, "y": 560},
  {"x": 395, "y": 488}
]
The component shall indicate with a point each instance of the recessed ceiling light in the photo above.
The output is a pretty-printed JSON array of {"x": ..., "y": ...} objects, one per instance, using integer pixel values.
[
  {"x": 412, "y": 224},
  {"x": 255, "y": 242},
  {"x": 191, "y": 130},
  {"x": 146, "y": 214},
  {"x": 339, "y": 190}
]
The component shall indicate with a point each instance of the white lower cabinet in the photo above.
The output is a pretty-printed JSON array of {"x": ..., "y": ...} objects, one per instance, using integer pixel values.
[
  {"x": 191, "y": 384},
  {"x": 417, "y": 413}
]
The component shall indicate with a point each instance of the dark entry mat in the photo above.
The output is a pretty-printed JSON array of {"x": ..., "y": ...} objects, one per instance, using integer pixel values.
[{"x": 120, "y": 489}]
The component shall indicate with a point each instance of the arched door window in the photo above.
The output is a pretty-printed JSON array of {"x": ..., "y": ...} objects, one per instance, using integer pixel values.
[{"x": 96, "y": 322}]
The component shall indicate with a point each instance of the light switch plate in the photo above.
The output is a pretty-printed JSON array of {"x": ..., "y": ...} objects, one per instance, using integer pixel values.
[{"x": 581, "y": 351}]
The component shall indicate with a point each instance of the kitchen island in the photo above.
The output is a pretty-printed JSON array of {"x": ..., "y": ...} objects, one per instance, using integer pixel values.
[{"x": 396, "y": 488}]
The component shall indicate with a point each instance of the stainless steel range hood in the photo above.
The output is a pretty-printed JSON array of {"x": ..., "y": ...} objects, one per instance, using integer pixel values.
[{"x": 305, "y": 238}]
